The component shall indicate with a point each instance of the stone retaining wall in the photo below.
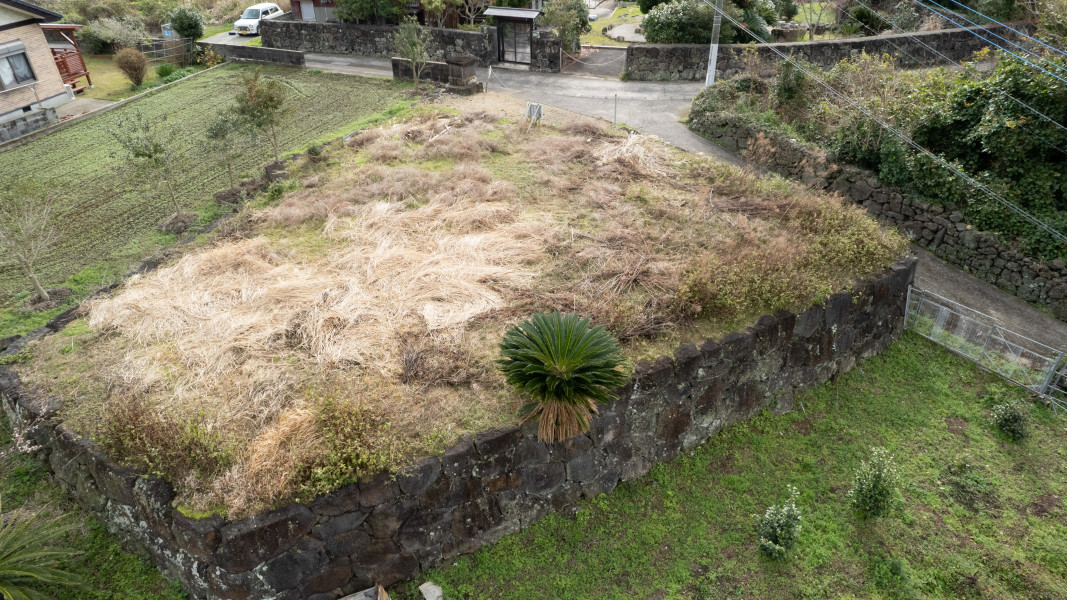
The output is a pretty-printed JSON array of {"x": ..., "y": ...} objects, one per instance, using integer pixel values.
[
  {"x": 375, "y": 40},
  {"x": 940, "y": 229},
  {"x": 667, "y": 62},
  {"x": 485, "y": 487},
  {"x": 255, "y": 54},
  {"x": 546, "y": 53},
  {"x": 21, "y": 126}
]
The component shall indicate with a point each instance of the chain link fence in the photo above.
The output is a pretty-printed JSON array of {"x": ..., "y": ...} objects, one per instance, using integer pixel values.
[{"x": 978, "y": 337}]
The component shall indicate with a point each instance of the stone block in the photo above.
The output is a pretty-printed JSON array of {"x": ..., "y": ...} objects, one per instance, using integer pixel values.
[{"x": 247, "y": 543}]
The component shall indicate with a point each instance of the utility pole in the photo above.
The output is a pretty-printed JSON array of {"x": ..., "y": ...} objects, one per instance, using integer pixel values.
[{"x": 713, "y": 55}]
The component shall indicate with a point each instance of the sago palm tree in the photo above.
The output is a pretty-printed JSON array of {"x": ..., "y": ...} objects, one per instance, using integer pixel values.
[
  {"x": 27, "y": 558},
  {"x": 565, "y": 366}
]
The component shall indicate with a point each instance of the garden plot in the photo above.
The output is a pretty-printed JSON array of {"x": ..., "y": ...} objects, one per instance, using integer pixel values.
[
  {"x": 350, "y": 325},
  {"x": 106, "y": 226}
]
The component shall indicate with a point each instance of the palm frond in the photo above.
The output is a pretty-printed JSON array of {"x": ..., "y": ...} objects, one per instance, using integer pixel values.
[
  {"x": 28, "y": 560},
  {"x": 566, "y": 366}
]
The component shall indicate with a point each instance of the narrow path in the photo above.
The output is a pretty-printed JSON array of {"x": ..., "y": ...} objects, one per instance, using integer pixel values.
[{"x": 657, "y": 108}]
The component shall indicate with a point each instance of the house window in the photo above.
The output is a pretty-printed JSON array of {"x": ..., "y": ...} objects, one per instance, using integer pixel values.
[{"x": 15, "y": 69}]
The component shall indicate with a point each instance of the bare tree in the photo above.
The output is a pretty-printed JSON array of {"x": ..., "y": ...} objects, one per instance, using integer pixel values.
[
  {"x": 471, "y": 9},
  {"x": 26, "y": 230},
  {"x": 816, "y": 10}
]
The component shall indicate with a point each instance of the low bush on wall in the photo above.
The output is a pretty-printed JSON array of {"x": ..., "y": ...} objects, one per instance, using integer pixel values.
[{"x": 965, "y": 117}]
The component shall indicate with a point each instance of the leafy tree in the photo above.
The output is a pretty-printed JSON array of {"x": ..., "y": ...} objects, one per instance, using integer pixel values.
[
  {"x": 412, "y": 42},
  {"x": 262, "y": 104},
  {"x": 566, "y": 366},
  {"x": 436, "y": 10},
  {"x": 187, "y": 22},
  {"x": 153, "y": 152},
  {"x": 26, "y": 230},
  {"x": 378, "y": 11},
  {"x": 29, "y": 560},
  {"x": 570, "y": 19},
  {"x": 224, "y": 139}
]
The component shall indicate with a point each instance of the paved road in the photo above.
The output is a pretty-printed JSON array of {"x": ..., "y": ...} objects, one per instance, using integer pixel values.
[{"x": 657, "y": 108}]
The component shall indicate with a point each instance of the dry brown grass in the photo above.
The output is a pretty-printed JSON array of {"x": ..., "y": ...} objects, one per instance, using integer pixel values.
[{"x": 367, "y": 306}]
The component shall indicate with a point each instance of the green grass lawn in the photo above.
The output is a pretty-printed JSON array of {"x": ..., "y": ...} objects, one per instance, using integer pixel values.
[
  {"x": 108, "y": 226},
  {"x": 108, "y": 82},
  {"x": 685, "y": 531},
  {"x": 624, "y": 14}
]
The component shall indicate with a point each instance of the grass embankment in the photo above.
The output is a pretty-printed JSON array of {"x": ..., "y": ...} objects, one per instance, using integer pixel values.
[
  {"x": 110, "y": 573},
  {"x": 351, "y": 323},
  {"x": 624, "y": 14},
  {"x": 107, "y": 226},
  {"x": 995, "y": 529}
]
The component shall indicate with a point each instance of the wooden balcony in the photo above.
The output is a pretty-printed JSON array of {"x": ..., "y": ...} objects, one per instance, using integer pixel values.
[{"x": 67, "y": 54}]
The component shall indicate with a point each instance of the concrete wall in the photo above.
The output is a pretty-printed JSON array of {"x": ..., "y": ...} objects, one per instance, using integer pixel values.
[
  {"x": 487, "y": 486},
  {"x": 274, "y": 56},
  {"x": 50, "y": 83},
  {"x": 375, "y": 40},
  {"x": 29, "y": 123},
  {"x": 942, "y": 230},
  {"x": 667, "y": 62}
]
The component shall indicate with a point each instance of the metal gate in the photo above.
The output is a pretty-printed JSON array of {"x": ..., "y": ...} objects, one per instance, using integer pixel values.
[
  {"x": 516, "y": 38},
  {"x": 977, "y": 336}
]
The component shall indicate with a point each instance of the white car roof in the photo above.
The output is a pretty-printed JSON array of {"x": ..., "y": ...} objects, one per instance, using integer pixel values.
[{"x": 263, "y": 5}]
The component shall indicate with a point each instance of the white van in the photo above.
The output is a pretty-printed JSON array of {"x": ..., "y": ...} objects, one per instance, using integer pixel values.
[{"x": 248, "y": 24}]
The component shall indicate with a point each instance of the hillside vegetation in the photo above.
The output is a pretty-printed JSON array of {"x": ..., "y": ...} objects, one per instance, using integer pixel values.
[{"x": 349, "y": 324}]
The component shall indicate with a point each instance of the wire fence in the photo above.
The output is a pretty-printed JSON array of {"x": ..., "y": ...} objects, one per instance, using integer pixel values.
[
  {"x": 175, "y": 51},
  {"x": 978, "y": 337}
]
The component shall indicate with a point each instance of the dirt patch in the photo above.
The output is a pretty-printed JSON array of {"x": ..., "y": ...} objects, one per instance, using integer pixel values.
[
  {"x": 178, "y": 223},
  {"x": 1044, "y": 505},
  {"x": 957, "y": 425},
  {"x": 802, "y": 427},
  {"x": 723, "y": 465},
  {"x": 56, "y": 296}
]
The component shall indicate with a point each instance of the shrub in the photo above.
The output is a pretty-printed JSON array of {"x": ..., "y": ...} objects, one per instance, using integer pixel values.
[
  {"x": 779, "y": 526},
  {"x": 140, "y": 435},
  {"x": 132, "y": 64},
  {"x": 187, "y": 22},
  {"x": 686, "y": 22},
  {"x": 565, "y": 366},
  {"x": 570, "y": 19},
  {"x": 356, "y": 443},
  {"x": 871, "y": 22},
  {"x": 28, "y": 559},
  {"x": 108, "y": 34},
  {"x": 788, "y": 9},
  {"x": 875, "y": 487},
  {"x": 164, "y": 70},
  {"x": 178, "y": 74},
  {"x": 1011, "y": 420},
  {"x": 904, "y": 16}
]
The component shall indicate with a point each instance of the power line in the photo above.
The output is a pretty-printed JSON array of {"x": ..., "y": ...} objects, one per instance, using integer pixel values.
[
  {"x": 990, "y": 32},
  {"x": 1015, "y": 31},
  {"x": 993, "y": 87},
  {"x": 1003, "y": 201},
  {"x": 987, "y": 40}
]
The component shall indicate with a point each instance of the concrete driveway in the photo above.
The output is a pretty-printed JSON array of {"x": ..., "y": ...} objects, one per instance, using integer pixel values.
[{"x": 225, "y": 38}]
